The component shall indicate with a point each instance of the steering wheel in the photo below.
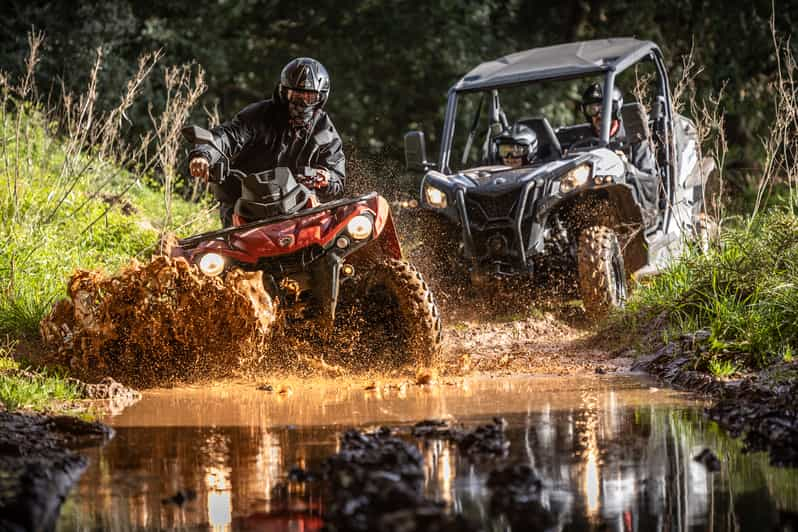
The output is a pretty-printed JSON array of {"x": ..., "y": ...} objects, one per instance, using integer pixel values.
[{"x": 590, "y": 142}]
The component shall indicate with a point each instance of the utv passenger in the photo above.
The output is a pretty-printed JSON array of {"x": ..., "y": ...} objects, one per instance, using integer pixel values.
[
  {"x": 638, "y": 154},
  {"x": 289, "y": 129},
  {"x": 517, "y": 146}
]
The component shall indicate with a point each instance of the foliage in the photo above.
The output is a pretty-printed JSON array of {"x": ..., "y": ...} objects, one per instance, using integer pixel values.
[
  {"x": 743, "y": 291},
  {"x": 20, "y": 388},
  {"x": 391, "y": 62},
  {"x": 66, "y": 203}
]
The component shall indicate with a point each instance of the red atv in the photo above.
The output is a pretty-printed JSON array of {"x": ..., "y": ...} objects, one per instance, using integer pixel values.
[{"x": 316, "y": 256}]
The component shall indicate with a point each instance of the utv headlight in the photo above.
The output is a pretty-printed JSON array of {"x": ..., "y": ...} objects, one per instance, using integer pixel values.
[
  {"x": 435, "y": 197},
  {"x": 575, "y": 178},
  {"x": 211, "y": 264},
  {"x": 359, "y": 227}
]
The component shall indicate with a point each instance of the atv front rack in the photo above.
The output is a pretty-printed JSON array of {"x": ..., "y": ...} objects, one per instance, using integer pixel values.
[{"x": 193, "y": 241}]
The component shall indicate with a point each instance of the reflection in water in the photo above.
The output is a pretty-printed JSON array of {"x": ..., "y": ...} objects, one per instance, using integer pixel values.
[{"x": 611, "y": 457}]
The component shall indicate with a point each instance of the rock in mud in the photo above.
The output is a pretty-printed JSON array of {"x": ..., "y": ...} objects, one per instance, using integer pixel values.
[
  {"x": 37, "y": 469},
  {"x": 376, "y": 483},
  {"x": 158, "y": 323}
]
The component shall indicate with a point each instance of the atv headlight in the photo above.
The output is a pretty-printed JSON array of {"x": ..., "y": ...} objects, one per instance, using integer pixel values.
[
  {"x": 575, "y": 178},
  {"x": 211, "y": 264},
  {"x": 359, "y": 227},
  {"x": 435, "y": 197}
]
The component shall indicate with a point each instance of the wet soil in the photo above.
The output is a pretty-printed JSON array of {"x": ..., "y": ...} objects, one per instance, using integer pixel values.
[
  {"x": 760, "y": 406},
  {"x": 38, "y": 466}
]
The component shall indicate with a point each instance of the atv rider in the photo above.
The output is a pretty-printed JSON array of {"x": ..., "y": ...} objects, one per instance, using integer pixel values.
[
  {"x": 289, "y": 129},
  {"x": 517, "y": 146},
  {"x": 638, "y": 154}
]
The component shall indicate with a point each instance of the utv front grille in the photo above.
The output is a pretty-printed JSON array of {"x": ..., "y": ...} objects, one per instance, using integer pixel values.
[{"x": 482, "y": 208}]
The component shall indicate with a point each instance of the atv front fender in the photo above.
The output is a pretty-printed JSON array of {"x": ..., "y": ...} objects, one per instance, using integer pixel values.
[{"x": 385, "y": 230}]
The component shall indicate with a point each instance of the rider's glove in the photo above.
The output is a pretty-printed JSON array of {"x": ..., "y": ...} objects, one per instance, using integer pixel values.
[
  {"x": 199, "y": 167},
  {"x": 319, "y": 180}
]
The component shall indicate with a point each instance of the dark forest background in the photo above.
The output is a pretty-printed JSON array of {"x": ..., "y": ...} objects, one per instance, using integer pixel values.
[{"x": 391, "y": 62}]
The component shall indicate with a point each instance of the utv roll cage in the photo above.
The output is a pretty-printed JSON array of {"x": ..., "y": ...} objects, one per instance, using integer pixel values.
[{"x": 609, "y": 57}]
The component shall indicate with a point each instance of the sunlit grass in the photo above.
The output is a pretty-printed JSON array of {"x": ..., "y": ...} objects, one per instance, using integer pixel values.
[
  {"x": 47, "y": 232},
  {"x": 31, "y": 390},
  {"x": 743, "y": 292}
]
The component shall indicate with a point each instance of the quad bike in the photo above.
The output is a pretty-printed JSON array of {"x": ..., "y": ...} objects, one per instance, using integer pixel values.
[
  {"x": 576, "y": 209},
  {"x": 312, "y": 256}
]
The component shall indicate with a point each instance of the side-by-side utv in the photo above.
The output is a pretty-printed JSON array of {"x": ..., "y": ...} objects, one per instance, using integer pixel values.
[{"x": 578, "y": 204}]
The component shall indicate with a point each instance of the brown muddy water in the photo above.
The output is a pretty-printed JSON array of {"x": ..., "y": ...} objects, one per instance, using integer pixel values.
[{"x": 614, "y": 453}]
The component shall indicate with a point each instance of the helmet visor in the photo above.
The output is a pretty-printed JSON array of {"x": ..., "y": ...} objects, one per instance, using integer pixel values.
[
  {"x": 513, "y": 151},
  {"x": 303, "y": 97},
  {"x": 593, "y": 109}
]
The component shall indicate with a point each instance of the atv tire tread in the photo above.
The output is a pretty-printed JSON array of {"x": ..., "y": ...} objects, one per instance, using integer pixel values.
[
  {"x": 597, "y": 245},
  {"x": 417, "y": 306}
]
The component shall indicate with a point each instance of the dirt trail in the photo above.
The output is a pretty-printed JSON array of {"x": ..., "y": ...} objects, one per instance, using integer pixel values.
[
  {"x": 541, "y": 344},
  {"x": 163, "y": 324}
]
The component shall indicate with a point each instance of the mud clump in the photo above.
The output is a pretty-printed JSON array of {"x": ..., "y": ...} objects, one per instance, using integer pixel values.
[
  {"x": 484, "y": 440},
  {"x": 765, "y": 415},
  {"x": 376, "y": 483},
  {"x": 158, "y": 324}
]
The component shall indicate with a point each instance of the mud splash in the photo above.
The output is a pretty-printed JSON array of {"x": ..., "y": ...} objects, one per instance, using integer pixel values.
[{"x": 157, "y": 324}]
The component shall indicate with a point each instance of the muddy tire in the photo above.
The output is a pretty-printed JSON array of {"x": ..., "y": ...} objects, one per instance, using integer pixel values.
[
  {"x": 602, "y": 276},
  {"x": 418, "y": 333}
]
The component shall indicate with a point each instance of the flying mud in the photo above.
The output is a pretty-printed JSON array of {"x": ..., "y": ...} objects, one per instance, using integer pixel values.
[
  {"x": 158, "y": 323},
  {"x": 164, "y": 323}
]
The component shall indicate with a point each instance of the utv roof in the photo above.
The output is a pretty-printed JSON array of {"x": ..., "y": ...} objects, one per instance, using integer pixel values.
[{"x": 574, "y": 59}]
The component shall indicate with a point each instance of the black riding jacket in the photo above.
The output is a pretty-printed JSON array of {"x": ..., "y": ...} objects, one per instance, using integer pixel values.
[{"x": 260, "y": 138}]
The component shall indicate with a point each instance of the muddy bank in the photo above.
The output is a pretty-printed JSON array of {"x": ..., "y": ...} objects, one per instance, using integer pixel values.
[
  {"x": 760, "y": 407},
  {"x": 39, "y": 465}
]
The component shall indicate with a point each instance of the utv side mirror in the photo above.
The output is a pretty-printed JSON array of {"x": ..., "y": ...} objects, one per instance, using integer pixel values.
[
  {"x": 416, "y": 152},
  {"x": 197, "y": 135}
]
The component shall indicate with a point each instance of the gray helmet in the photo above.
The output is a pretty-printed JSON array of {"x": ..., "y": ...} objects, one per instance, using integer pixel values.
[
  {"x": 594, "y": 94},
  {"x": 522, "y": 137},
  {"x": 305, "y": 74}
]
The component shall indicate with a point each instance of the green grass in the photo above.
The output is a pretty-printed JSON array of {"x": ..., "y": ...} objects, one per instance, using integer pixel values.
[
  {"x": 722, "y": 368},
  {"x": 54, "y": 221},
  {"x": 32, "y": 390},
  {"x": 743, "y": 291}
]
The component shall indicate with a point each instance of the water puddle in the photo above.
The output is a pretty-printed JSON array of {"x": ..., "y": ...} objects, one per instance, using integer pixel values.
[{"x": 614, "y": 453}]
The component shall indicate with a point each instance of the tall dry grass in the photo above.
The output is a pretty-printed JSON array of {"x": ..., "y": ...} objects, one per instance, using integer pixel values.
[{"x": 73, "y": 189}]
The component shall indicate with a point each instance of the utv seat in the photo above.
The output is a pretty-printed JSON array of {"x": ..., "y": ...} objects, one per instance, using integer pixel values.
[
  {"x": 548, "y": 145},
  {"x": 635, "y": 122}
]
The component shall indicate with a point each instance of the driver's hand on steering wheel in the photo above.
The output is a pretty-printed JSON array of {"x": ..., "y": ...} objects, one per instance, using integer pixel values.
[{"x": 198, "y": 167}]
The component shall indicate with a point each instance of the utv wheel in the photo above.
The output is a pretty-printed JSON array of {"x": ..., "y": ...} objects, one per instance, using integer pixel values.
[
  {"x": 602, "y": 276},
  {"x": 408, "y": 310}
]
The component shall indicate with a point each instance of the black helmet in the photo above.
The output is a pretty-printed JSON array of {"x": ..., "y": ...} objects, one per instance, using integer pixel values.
[
  {"x": 594, "y": 94},
  {"x": 305, "y": 74},
  {"x": 518, "y": 140}
]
